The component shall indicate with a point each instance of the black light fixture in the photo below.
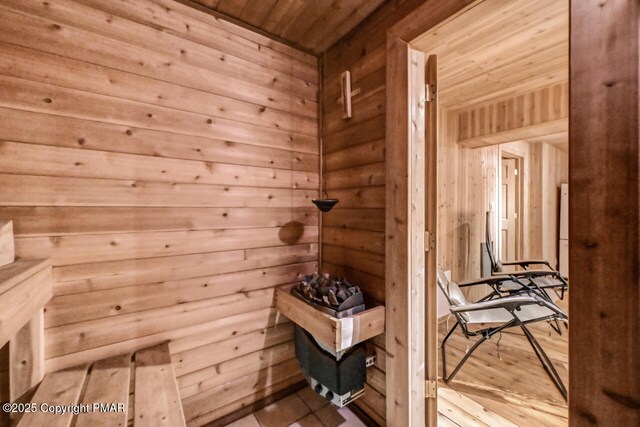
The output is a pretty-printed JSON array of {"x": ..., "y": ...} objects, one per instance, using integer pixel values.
[{"x": 325, "y": 205}]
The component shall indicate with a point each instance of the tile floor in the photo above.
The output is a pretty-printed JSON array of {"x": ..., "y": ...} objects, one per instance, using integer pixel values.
[{"x": 302, "y": 409}]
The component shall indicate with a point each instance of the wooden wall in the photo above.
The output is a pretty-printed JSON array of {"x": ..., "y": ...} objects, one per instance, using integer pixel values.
[
  {"x": 549, "y": 167},
  {"x": 354, "y": 155},
  {"x": 164, "y": 160},
  {"x": 468, "y": 185}
]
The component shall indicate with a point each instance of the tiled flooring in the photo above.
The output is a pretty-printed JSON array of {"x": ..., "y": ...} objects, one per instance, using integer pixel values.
[{"x": 303, "y": 409}]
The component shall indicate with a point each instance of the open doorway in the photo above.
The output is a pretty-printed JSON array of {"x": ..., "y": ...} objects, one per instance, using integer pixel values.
[
  {"x": 602, "y": 220},
  {"x": 503, "y": 80},
  {"x": 502, "y": 102}
]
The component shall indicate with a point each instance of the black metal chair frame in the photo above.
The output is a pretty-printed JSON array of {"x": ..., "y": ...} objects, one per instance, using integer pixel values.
[{"x": 511, "y": 303}]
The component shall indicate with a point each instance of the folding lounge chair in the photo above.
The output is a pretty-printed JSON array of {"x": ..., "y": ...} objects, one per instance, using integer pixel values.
[
  {"x": 496, "y": 264},
  {"x": 500, "y": 313},
  {"x": 544, "y": 279}
]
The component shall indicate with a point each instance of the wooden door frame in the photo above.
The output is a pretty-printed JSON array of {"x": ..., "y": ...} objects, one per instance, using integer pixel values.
[
  {"x": 604, "y": 213},
  {"x": 405, "y": 290},
  {"x": 604, "y": 244}
]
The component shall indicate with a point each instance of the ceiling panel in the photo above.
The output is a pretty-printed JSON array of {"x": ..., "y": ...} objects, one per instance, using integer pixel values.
[
  {"x": 312, "y": 25},
  {"x": 499, "y": 48}
]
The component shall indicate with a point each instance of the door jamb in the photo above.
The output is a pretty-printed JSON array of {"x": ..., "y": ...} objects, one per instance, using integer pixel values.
[{"x": 406, "y": 358}]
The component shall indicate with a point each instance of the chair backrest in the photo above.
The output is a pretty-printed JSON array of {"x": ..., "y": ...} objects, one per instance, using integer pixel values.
[
  {"x": 450, "y": 289},
  {"x": 454, "y": 295},
  {"x": 496, "y": 265}
]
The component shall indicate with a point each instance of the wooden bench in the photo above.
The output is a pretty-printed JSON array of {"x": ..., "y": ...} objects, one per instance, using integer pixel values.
[
  {"x": 155, "y": 401},
  {"x": 152, "y": 399},
  {"x": 25, "y": 287}
]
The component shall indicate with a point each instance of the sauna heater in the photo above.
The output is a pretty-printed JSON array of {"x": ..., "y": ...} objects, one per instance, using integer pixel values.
[{"x": 337, "y": 376}]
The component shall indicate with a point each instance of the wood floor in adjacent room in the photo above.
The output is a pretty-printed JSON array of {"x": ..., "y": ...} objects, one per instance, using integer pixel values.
[{"x": 505, "y": 388}]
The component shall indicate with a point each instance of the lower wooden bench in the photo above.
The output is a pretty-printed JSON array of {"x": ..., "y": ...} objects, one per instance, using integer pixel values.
[{"x": 107, "y": 382}]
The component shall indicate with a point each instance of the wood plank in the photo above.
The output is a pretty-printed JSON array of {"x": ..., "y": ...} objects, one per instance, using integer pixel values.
[
  {"x": 313, "y": 28},
  {"x": 493, "y": 49},
  {"x": 79, "y": 307},
  {"x": 212, "y": 353},
  {"x": 362, "y": 240},
  {"x": 26, "y": 357},
  {"x": 19, "y": 271},
  {"x": 506, "y": 380},
  {"x": 32, "y": 64},
  {"x": 7, "y": 250},
  {"x": 30, "y": 159},
  {"x": 397, "y": 235},
  {"x": 456, "y": 402},
  {"x": 539, "y": 131},
  {"x": 120, "y": 55},
  {"x": 430, "y": 174},
  {"x": 29, "y": 190},
  {"x": 184, "y": 336},
  {"x": 205, "y": 402},
  {"x": 58, "y": 388},
  {"x": 44, "y": 98},
  {"x": 536, "y": 113},
  {"x": 254, "y": 392},
  {"x": 195, "y": 382},
  {"x": 355, "y": 219},
  {"x": 604, "y": 175},
  {"x": 359, "y": 176},
  {"x": 157, "y": 401},
  {"x": 274, "y": 53},
  {"x": 358, "y": 155},
  {"x": 108, "y": 383},
  {"x": 360, "y": 197},
  {"x": 45, "y": 221},
  {"x": 114, "y": 95},
  {"x": 115, "y": 274},
  {"x": 78, "y": 249},
  {"x": 87, "y": 335},
  {"x": 68, "y": 132},
  {"x": 366, "y": 262}
]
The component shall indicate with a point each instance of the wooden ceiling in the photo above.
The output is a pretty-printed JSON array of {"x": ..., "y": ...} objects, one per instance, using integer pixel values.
[
  {"x": 312, "y": 25},
  {"x": 498, "y": 48}
]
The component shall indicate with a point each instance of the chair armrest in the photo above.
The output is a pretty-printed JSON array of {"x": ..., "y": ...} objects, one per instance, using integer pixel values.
[
  {"x": 505, "y": 302},
  {"x": 532, "y": 273},
  {"x": 528, "y": 262},
  {"x": 511, "y": 302}
]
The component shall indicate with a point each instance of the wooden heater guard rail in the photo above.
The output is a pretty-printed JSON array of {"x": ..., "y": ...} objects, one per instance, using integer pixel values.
[{"x": 339, "y": 334}]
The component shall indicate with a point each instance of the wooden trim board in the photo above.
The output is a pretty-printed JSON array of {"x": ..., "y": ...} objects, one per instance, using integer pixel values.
[{"x": 604, "y": 214}]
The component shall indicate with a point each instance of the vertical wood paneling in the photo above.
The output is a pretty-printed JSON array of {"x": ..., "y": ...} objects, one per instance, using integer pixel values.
[
  {"x": 164, "y": 160},
  {"x": 535, "y": 113}
]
